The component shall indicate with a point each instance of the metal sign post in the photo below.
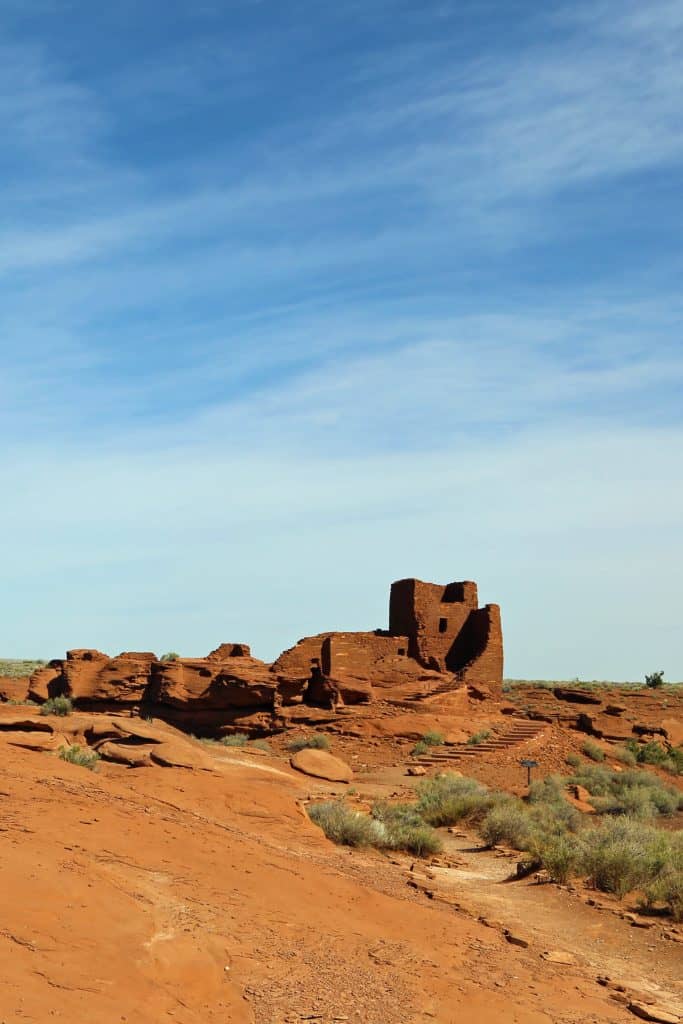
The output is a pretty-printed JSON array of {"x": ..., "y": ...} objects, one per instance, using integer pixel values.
[{"x": 528, "y": 765}]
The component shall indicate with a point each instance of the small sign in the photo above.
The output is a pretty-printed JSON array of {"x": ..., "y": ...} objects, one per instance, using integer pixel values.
[{"x": 528, "y": 764}]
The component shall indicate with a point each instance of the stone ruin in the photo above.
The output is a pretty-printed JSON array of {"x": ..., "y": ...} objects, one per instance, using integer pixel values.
[{"x": 439, "y": 640}]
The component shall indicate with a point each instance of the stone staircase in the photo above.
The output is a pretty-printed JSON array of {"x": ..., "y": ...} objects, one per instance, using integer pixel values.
[{"x": 517, "y": 733}]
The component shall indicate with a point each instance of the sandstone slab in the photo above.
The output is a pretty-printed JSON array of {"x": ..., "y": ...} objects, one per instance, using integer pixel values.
[
  {"x": 321, "y": 765},
  {"x": 659, "y": 1014}
]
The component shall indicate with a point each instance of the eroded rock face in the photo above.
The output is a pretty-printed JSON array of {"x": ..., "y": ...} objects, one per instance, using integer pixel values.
[
  {"x": 214, "y": 683},
  {"x": 13, "y": 688},
  {"x": 439, "y": 641},
  {"x": 93, "y": 676}
]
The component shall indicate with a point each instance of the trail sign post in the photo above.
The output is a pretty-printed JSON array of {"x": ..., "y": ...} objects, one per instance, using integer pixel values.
[{"x": 528, "y": 765}]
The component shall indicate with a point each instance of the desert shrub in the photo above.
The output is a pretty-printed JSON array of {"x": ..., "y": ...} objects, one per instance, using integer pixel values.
[
  {"x": 238, "y": 739},
  {"x": 508, "y": 822},
  {"x": 634, "y": 793},
  {"x": 667, "y": 887},
  {"x": 595, "y": 778},
  {"x": 420, "y": 749},
  {"x": 478, "y": 737},
  {"x": 23, "y": 703},
  {"x": 676, "y": 760},
  {"x": 57, "y": 706},
  {"x": 82, "y": 756},
  {"x": 404, "y": 829},
  {"x": 593, "y": 751},
  {"x": 263, "y": 745},
  {"x": 654, "y": 680},
  {"x": 633, "y": 801},
  {"x": 560, "y": 855},
  {"x": 625, "y": 756},
  {"x": 652, "y": 753},
  {"x": 433, "y": 738},
  {"x": 622, "y": 855},
  {"x": 316, "y": 741},
  {"x": 169, "y": 656},
  {"x": 548, "y": 790},
  {"x": 553, "y": 817},
  {"x": 447, "y": 799},
  {"x": 573, "y": 760},
  {"x": 343, "y": 825}
]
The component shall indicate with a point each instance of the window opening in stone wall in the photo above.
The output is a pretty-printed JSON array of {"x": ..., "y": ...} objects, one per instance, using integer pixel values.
[{"x": 443, "y": 625}]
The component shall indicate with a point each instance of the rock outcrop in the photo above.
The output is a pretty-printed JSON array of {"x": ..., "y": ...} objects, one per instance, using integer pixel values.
[{"x": 438, "y": 641}]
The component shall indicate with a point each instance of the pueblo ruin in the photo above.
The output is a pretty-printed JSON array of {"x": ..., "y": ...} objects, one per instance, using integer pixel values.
[{"x": 439, "y": 641}]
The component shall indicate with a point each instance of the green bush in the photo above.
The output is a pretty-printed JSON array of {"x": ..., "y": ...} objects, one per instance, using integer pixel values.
[
  {"x": 652, "y": 753},
  {"x": 447, "y": 799},
  {"x": 625, "y": 756},
  {"x": 573, "y": 760},
  {"x": 57, "y": 706},
  {"x": 263, "y": 745},
  {"x": 169, "y": 656},
  {"x": 405, "y": 830},
  {"x": 433, "y": 738},
  {"x": 237, "y": 739},
  {"x": 316, "y": 741},
  {"x": 560, "y": 855},
  {"x": 635, "y": 793},
  {"x": 420, "y": 749},
  {"x": 508, "y": 822},
  {"x": 667, "y": 888},
  {"x": 676, "y": 760},
  {"x": 593, "y": 751},
  {"x": 343, "y": 825},
  {"x": 82, "y": 756},
  {"x": 654, "y": 680},
  {"x": 548, "y": 790},
  {"x": 478, "y": 737},
  {"x": 622, "y": 855}
]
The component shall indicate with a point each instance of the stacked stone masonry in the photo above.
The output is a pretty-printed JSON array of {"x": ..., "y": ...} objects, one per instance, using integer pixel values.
[{"x": 438, "y": 640}]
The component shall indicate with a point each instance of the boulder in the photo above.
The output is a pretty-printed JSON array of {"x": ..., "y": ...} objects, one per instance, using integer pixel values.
[
  {"x": 321, "y": 765},
  {"x": 517, "y": 938},
  {"x": 181, "y": 754},
  {"x": 120, "y": 753},
  {"x": 416, "y": 770},
  {"x": 659, "y": 1014}
]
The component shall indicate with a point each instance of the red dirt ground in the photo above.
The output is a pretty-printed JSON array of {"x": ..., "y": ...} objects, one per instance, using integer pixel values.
[{"x": 203, "y": 893}]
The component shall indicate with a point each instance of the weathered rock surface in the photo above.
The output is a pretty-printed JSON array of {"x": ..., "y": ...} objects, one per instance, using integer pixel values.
[
  {"x": 575, "y": 696},
  {"x": 321, "y": 765},
  {"x": 659, "y": 1014},
  {"x": 213, "y": 683},
  {"x": 439, "y": 641}
]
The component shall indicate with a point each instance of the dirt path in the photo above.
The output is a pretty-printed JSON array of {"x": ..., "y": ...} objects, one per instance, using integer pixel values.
[{"x": 599, "y": 941}]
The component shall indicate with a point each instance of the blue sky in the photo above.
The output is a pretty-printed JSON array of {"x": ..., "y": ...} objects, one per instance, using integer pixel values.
[{"x": 298, "y": 298}]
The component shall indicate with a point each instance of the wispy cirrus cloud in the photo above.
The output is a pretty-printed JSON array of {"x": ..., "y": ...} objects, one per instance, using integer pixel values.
[{"x": 372, "y": 287}]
